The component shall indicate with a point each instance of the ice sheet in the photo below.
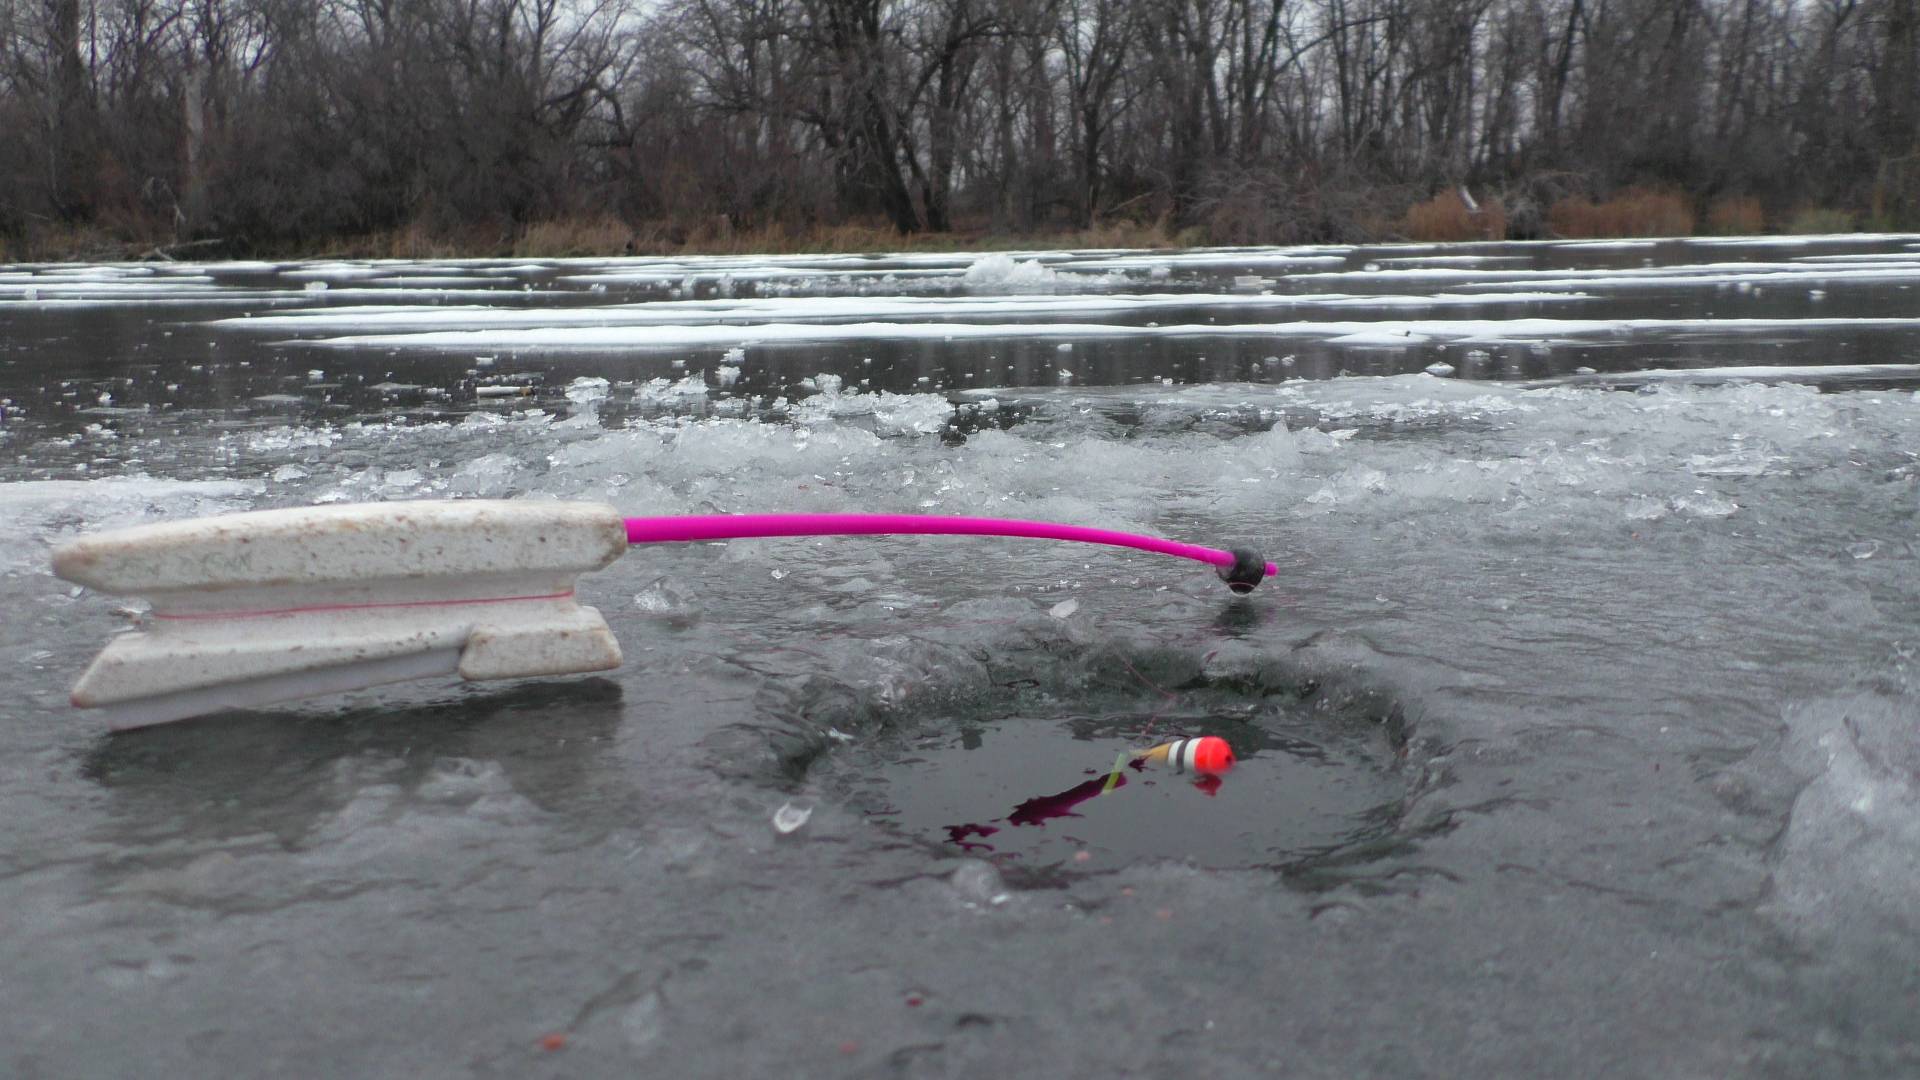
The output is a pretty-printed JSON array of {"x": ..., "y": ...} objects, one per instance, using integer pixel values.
[
  {"x": 371, "y": 317},
  {"x": 1475, "y": 330},
  {"x": 1753, "y": 373},
  {"x": 1633, "y": 671}
]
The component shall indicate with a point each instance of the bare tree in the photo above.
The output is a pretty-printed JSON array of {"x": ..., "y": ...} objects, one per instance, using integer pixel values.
[
  {"x": 287, "y": 122},
  {"x": 1093, "y": 37}
]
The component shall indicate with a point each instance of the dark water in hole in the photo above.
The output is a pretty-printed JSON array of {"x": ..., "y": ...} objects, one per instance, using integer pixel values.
[
  {"x": 1308, "y": 781},
  {"x": 1573, "y": 730}
]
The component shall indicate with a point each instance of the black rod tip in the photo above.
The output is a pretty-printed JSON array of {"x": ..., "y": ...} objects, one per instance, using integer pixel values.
[{"x": 1247, "y": 571}]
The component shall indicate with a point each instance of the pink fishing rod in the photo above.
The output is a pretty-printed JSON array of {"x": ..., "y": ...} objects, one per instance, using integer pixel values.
[
  {"x": 1239, "y": 568},
  {"x": 278, "y": 605}
]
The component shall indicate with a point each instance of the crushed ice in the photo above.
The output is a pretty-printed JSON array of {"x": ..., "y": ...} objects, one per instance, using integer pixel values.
[{"x": 790, "y": 817}]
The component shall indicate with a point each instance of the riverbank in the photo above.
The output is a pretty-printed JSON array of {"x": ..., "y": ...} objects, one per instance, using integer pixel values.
[
  {"x": 1452, "y": 216},
  {"x": 584, "y": 238}
]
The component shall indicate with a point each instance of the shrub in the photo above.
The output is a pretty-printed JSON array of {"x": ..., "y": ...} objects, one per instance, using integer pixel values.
[
  {"x": 1303, "y": 206},
  {"x": 1735, "y": 215},
  {"x": 1633, "y": 212},
  {"x": 1446, "y": 217}
]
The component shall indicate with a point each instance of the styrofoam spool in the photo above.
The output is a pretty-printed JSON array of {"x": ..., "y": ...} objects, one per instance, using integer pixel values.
[{"x": 273, "y": 605}]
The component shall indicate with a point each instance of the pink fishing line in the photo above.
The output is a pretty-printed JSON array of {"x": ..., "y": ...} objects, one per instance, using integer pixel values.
[{"x": 658, "y": 530}]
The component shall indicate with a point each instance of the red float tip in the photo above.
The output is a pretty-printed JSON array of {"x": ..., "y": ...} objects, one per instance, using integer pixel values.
[{"x": 1211, "y": 755}]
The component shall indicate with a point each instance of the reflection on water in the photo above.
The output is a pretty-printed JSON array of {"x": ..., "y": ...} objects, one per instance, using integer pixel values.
[{"x": 244, "y": 773}]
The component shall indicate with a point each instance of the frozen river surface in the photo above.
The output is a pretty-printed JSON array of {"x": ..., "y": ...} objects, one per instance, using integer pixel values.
[{"x": 1577, "y": 735}]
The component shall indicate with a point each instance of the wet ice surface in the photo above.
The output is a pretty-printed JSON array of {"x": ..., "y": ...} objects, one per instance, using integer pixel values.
[{"x": 1576, "y": 732}]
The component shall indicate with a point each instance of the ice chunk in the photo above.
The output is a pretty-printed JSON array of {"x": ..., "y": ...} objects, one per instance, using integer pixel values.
[
  {"x": 1439, "y": 370},
  {"x": 1273, "y": 451},
  {"x": 923, "y": 414},
  {"x": 1646, "y": 510},
  {"x": 1730, "y": 464},
  {"x": 587, "y": 391},
  {"x": 668, "y": 392},
  {"x": 1064, "y": 609},
  {"x": 979, "y": 883},
  {"x": 1002, "y": 271},
  {"x": 662, "y": 598},
  {"x": 1705, "y": 504},
  {"x": 488, "y": 474},
  {"x": 644, "y": 1021},
  {"x": 1846, "y": 859},
  {"x": 1379, "y": 339},
  {"x": 790, "y": 818}
]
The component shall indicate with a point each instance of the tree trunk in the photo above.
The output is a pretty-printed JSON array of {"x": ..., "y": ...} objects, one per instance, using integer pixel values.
[
  {"x": 71, "y": 133},
  {"x": 880, "y": 167}
]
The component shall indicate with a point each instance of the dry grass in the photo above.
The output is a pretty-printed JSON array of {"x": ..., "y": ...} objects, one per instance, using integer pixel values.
[
  {"x": 608, "y": 236},
  {"x": 416, "y": 241},
  {"x": 1896, "y": 194},
  {"x": 1634, "y": 212},
  {"x": 715, "y": 238},
  {"x": 412, "y": 241},
  {"x": 1814, "y": 220},
  {"x": 574, "y": 237},
  {"x": 1446, "y": 217},
  {"x": 48, "y": 242},
  {"x": 1736, "y": 215}
]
